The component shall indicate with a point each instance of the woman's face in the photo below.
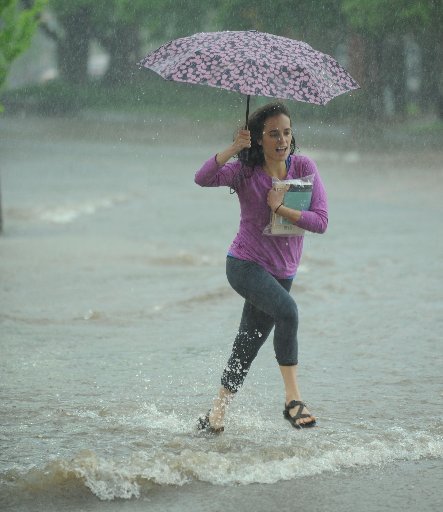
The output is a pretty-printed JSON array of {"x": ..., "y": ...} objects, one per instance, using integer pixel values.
[{"x": 276, "y": 138}]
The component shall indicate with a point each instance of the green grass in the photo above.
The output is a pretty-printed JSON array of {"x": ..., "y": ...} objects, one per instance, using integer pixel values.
[
  {"x": 146, "y": 91},
  {"x": 431, "y": 127},
  {"x": 150, "y": 95},
  {"x": 341, "y": 122}
]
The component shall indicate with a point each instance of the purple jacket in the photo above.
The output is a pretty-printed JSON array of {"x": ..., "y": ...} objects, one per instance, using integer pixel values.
[{"x": 279, "y": 255}]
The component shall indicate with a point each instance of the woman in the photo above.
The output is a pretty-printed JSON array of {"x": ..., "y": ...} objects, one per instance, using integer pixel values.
[{"x": 261, "y": 267}]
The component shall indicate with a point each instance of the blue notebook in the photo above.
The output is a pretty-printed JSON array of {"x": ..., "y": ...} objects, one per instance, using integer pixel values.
[{"x": 298, "y": 196}]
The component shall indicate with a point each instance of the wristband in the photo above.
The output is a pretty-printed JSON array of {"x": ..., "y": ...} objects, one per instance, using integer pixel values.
[{"x": 275, "y": 211}]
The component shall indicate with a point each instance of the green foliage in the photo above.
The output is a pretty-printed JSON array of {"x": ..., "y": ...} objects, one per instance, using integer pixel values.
[
  {"x": 238, "y": 15},
  {"x": 379, "y": 17},
  {"x": 17, "y": 26},
  {"x": 370, "y": 30},
  {"x": 103, "y": 13},
  {"x": 304, "y": 19},
  {"x": 120, "y": 26},
  {"x": 63, "y": 8},
  {"x": 169, "y": 19},
  {"x": 381, "y": 25},
  {"x": 159, "y": 18},
  {"x": 147, "y": 94}
]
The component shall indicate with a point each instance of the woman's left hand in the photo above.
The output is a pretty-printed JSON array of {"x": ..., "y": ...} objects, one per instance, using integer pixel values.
[{"x": 275, "y": 198}]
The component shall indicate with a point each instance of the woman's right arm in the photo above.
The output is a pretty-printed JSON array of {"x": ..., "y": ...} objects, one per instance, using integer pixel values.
[{"x": 215, "y": 172}]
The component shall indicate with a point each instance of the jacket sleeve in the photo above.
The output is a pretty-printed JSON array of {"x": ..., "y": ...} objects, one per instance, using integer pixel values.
[
  {"x": 213, "y": 175},
  {"x": 316, "y": 218}
]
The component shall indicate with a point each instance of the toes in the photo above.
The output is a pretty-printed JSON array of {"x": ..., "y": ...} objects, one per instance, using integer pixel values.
[
  {"x": 304, "y": 421},
  {"x": 301, "y": 421}
]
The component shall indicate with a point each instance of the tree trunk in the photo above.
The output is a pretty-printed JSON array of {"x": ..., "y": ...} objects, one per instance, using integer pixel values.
[
  {"x": 73, "y": 48},
  {"x": 431, "y": 42},
  {"x": 123, "y": 46},
  {"x": 429, "y": 83},
  {"x": 365, "y": 67},
  {"x": 1, "y": 211},
  {"x": 357, "y": 57},
  {"x": 439, "y": 73},
  {"x": 394, "y": 71}
]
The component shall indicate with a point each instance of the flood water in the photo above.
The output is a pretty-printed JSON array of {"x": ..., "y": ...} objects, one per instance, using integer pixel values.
[{"x": 116, "y": 320}]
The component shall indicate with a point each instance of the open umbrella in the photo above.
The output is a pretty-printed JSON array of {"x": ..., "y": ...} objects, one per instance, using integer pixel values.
[{"x": 253, "y": 63}]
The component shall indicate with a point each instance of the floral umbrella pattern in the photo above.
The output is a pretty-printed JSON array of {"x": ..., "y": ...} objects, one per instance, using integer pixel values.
[{"x": 253, "y": 63}]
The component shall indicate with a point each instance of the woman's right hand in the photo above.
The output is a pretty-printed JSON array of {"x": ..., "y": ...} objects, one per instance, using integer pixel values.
[{"x": 242, "y": 141}]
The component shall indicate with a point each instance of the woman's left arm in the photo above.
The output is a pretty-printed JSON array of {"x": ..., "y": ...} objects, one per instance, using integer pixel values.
[{"x": 316, "y": 218}]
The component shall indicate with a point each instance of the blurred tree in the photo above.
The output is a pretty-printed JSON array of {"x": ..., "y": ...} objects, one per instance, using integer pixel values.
[
  {"x": 319, "y": 23},
  {"x": 72, "y": 36},
  {"x": 17, "y": 25},
  {"x": 178, "y": 18},
  {"x": 379, "y": 29},
  {"x": 119, "y": 26}
]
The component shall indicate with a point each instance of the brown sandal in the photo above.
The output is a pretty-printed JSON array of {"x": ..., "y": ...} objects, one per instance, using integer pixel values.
[{"x": 293, "y": 419}]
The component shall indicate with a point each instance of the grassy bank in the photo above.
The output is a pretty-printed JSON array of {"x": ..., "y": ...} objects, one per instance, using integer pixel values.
[
  {"x": 146, "y": 96},
  {"x": 148, "y": 92}
]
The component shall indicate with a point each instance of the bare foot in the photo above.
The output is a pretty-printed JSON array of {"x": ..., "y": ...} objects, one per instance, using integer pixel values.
[
  {"x": 217, "y": 413},
  {"x": 216, "y": 417},
  {"x": 218, "y": 410}
]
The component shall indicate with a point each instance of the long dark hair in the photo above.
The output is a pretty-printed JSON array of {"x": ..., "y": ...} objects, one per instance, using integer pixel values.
[{"x": 253, "y": 157}]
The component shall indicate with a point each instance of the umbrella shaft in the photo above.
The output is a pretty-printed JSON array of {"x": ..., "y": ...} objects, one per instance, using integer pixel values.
[{"x": 247, "y": 111}]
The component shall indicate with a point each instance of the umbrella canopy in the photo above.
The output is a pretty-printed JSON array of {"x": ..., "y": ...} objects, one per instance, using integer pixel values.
[{"x": 253, "y": 63}]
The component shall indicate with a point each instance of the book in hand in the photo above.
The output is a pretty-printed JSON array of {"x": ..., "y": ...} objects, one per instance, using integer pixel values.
[{"x": 298, "y": 197}]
